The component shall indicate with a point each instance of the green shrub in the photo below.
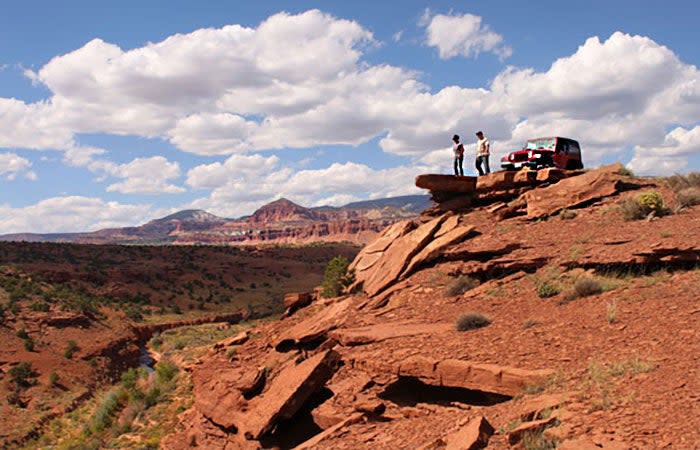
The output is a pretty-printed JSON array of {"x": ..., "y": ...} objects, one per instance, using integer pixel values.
[
  {"x": 29, "y": 344},
  {"x": 22, "y": 334},
  {"x": 652, "y": 200},
  {"x": 546, "y": 289},
  {"x": 71, "y": 348},
  {"x": 337, "y": 277},
  {"x": 130, "y": 377},
  {"x": 165, "y": 371},
  {"x": 22, "y": 375},
  {"x": 102, "y": 418},
  {"x": 151, "y": 397},
  {"x": 626, "y": 172},
  {"x": 460, "y": 285},
  {"x": 471, "y": 321},
  {"x": 53, "y": 379},
  {"x": 156, "y": 341},
  {"x": 40, "y": 306}
]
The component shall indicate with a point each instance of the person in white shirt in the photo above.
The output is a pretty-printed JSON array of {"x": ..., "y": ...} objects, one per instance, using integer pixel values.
[
  {"x": 458, "y": 150},
  {"x": 483, "y": 150}
]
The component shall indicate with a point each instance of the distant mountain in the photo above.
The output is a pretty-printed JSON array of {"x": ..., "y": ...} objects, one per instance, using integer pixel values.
[{"x": 279, "y": 221}]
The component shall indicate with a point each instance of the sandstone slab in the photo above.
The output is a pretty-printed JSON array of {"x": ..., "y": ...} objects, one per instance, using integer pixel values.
[
  {"x": 449, "y": 183},
  {"x": 315, "y": 327},
  {"x": 220, "y": 391},
  {"x": 288, "y": 392},
  {"x": 474, "y": 435},
  {"x": 384, "y": 331},
  {"x": 392, "y": 263},
  {"x": 492, "y": 378},
  {"x": 535, "y": 426},
  {"x": 436, "y": 246},
  {"x": 240, "y": 338}
]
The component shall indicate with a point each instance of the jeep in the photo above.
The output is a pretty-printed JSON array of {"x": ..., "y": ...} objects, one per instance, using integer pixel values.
[{"x": 560, "y": 152}]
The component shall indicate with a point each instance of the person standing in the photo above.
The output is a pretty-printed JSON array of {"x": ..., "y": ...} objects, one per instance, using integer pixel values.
[
  {"x": 483, "y": 150},
  {"x": 458, "y": 150}
]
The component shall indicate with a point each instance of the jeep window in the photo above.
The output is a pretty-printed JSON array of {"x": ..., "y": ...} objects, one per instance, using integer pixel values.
[
  {"x": 563, "y": 146},
  {"x": 574, "y": 148},
  {"x": 540, "y": 143}
]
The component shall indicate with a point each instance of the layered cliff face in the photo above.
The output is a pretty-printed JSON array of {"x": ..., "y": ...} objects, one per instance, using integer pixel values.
[{"x": 281, "y": 221}]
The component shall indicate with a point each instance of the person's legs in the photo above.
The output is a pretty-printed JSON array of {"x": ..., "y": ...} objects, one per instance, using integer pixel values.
[
  {"x": 455, "y": 165},
  {"x": 461, "y": 169},
  {"x": 486, "y": 164},
  {"x": 478, "y": 165}
]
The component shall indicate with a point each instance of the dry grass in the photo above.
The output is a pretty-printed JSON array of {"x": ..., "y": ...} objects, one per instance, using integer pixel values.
[
  {"x": 472, "y": 321},
  {"x": 461, "y": 285}
]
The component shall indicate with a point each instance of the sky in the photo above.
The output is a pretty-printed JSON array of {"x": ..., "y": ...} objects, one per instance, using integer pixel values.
[{"x": 116, "y": 113}]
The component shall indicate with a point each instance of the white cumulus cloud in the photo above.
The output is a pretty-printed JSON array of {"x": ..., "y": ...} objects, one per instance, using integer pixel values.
[
  {"x": 13, "y": 165},
  {"x": 462, "y": 35},
  {"x": 71, "y": 213}
]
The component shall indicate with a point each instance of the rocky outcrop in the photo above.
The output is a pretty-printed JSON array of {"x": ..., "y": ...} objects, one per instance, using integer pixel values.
[
  {"x": 296, "y": 300},
  {"x": 288, "y": 392},
  {"x": 577, "y": 191},
  {"x": 490, "y": 378},
  {"x": 315, "y": 327},
  {"x": 394, "y": 259}
]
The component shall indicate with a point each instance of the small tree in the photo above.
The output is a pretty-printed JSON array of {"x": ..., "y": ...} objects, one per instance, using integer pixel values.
[{"x": 337, "y": 277}]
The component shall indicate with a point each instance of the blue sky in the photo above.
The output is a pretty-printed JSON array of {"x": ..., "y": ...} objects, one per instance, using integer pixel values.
[{"x": 112, "y": 115}]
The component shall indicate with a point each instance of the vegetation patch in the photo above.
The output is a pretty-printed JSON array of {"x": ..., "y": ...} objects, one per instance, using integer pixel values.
[
  {"x": 337, "y": 277},
  {"x": 460, "y": 285},
  {"x": 546, "y": 289},
  {"x": 646, "y": 204},
  {"x": 472, "y": 321},
  {"x": 583, "y": 287}
]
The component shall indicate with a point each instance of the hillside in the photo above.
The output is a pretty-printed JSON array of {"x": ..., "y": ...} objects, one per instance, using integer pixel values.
[
  {"x": 531, "y": 310},
  {"x": 281, "y": 221},
  {"x": 72, "y": 317}
]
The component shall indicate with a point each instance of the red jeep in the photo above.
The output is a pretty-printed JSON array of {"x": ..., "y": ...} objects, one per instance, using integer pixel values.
[{"x": 537, "y": 153}]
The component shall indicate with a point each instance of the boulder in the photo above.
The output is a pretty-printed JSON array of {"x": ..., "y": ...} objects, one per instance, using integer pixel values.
[
  {"x": 446, "y": 183},
  {"x": 220, "y": 391},
  {"x": 240, "y": 338},
  {"x": 288, "y": 392},
  {"x": 474, "y": 435},
  {"x": 296, "y": 300},
  {"x": 393, "y": 261},
  {"x": 315, "y": 327}
]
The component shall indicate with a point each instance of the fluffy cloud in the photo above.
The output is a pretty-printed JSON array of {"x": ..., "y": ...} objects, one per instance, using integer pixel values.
[
  {"x": 140, "y": 176},
  {"x": 12, "y": 165},
  {"x": 671, "y": 156},
  {"x": 462, "y": 35},
  {"x": 66, "y": 214}
]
